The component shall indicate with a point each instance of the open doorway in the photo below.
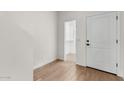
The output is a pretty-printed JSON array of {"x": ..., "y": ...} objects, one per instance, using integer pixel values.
[{"x": 70, "y": 40}]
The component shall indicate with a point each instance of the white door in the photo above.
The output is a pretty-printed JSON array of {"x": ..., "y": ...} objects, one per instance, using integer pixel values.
[{"x": 101, "y": 42}]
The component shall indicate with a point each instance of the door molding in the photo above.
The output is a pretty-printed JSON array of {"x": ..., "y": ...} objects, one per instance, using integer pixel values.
[
  {"x": 119, "y": 70},
  {"x": 118, "y": 45},
  {"x": 73, "y": 20}
]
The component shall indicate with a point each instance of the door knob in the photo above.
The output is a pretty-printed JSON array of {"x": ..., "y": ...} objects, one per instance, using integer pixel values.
[
  {"x": 88, "y": 44},
  {"x": 87, "y": 40}
]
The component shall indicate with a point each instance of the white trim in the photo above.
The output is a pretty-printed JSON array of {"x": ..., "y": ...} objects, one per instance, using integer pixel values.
[
  {"x": 44, "y": 63},
  {"x": 85, "y": 41},
  {"x": 118, "y": 45},
  {"x": 60, "y": 58}
]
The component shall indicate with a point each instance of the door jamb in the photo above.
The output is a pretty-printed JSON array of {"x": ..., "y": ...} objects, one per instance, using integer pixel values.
[
  {"x": 118, "y": 45},
  {"x": 64, "y": 36}
]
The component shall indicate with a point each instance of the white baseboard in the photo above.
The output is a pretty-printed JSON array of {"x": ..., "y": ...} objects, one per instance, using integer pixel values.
[
  {"x": 44, "y": 63},
  {"x": 61, "y": 58}
]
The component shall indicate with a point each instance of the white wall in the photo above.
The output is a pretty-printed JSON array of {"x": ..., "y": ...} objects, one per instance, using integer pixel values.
[
  {"x": 16, "y": 51},
  {"x": 42, "y": 27},
  {"x": 18, "y": 30}
]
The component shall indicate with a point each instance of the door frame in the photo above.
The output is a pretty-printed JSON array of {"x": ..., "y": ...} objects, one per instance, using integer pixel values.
[
  {"x": 117, "y": 37},
  {"x": 75, "y": 35}
]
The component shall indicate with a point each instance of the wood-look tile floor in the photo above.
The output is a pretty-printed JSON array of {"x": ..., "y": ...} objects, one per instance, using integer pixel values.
[{"x": 69, "y": 71}]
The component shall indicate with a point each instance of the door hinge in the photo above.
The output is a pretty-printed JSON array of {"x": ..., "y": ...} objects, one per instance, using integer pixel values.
[
  {"x": 116, "y": 41},
  {"x": 116, "y": 64},
  {"x": 116, "y": 17}
]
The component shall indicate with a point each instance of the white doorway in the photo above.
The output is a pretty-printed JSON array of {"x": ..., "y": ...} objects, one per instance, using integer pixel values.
[
  {"x": 70, "y": 40},
  {"x": 102, "y": 42}
]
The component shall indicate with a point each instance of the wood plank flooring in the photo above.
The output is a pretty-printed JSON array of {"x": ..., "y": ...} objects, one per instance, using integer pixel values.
[{"x": 69, "y": 71}]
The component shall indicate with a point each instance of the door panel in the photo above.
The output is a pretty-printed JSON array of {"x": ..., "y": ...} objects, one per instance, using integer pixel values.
[{"x": 101, "y": 33}]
